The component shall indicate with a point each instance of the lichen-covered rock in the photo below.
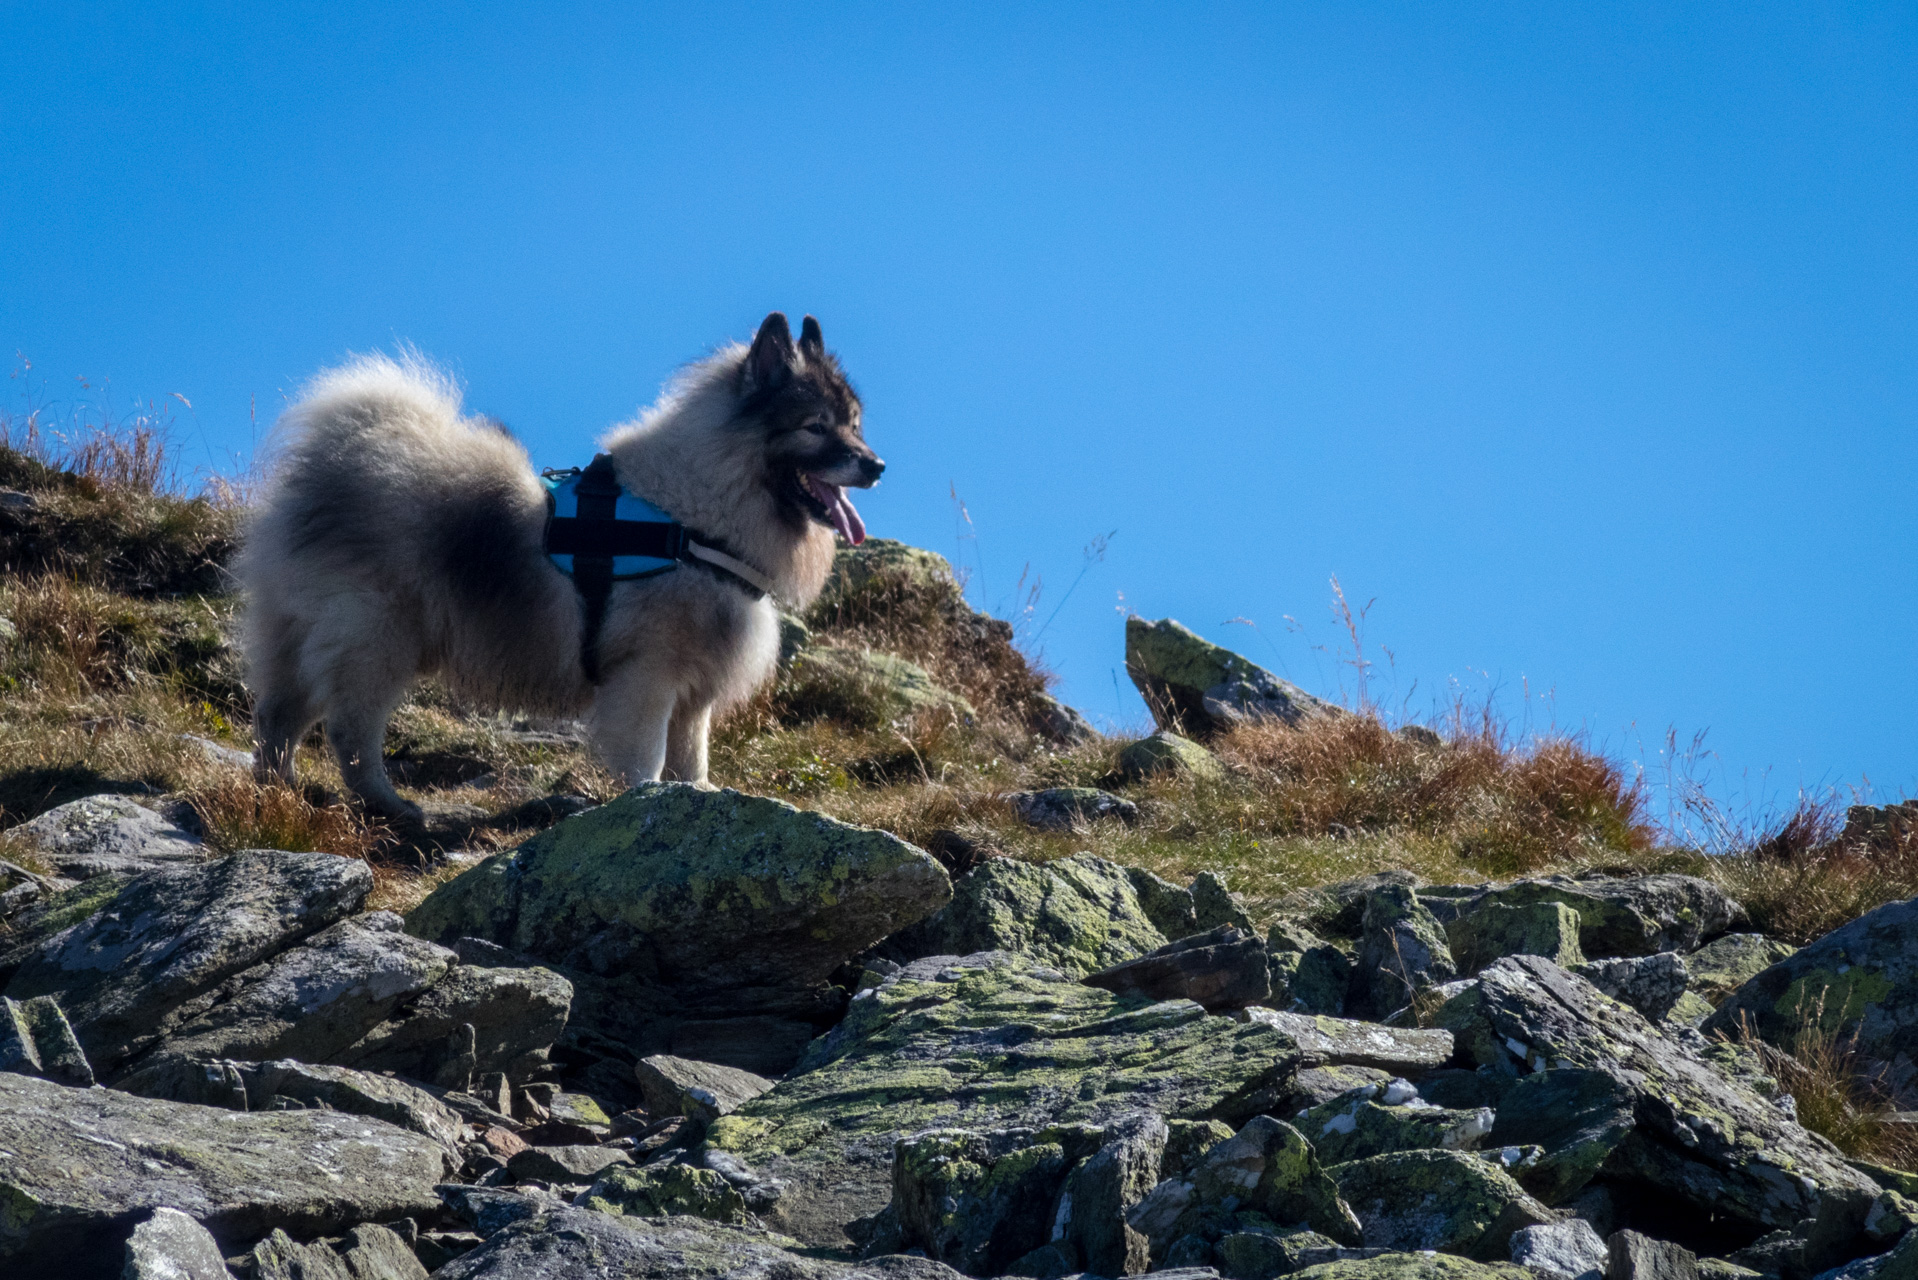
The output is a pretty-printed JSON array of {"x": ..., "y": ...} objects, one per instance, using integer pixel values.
[
  {"x": 281, "y": 1257},
  {"x": 566, "y": 1164},
  {"x": 35, "y": 1040},
  {"x": 274, "y": 1086},
  {"x": 702, "y": 1091},
  {"x": 107, "y": 835},
  {"x": 1168, "y": 906},
  {"x": 1268, "y": 1168},
  {"x": 1632, "y": 1256},
  {"x": 1090, "y": 1220},
  {"x": 1548, "y": 929},
  {"x": 1859, "y": 981},
  {"x": 985, "y": 1042},
  {"x": 1195, "y": 686},
  {"x": 1725, "y": 964},
  {"x": 976, "y": 1201},
  {"x": 1578, "y": 1117},
  {"x": 1062, "y": 808},
  {"x": 476, "y": 1020},
  {"x": 1650, "y": 984},
  {"x": 1265, "y": 1255},
  {"x": 1636, "y": 916},
  {"x": 1413, "y": 1266},
  {"x": 1402, "y": 951},
  {"x": 1168, "y": 752},
  {"x": 171, "y": 1246},
  {"x": 1452, "y": 1201},
  {"x": 864, "y": 688},
  {"x": 1697, "y": 1137},
  {"x": 84, "y": 1165},
  {"x": 1350, "y": 1042},
  {"x": 1568, "y": 1250},
  {"x": 1314, "y": 981},
  {"x": 1376, "y": 1119},
  {"x": 1059, "y": 723},
  {"x": 1223, "y": 968},
  {"x": 1214, "y": 905},
  {"x": 729, "y": 904},
  {"x": 673, "y": 1191},
  {"x": 170, "y": 936},
  {"x": 1079, "y": 914}
]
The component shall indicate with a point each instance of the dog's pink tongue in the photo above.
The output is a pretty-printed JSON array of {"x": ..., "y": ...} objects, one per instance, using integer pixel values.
[{"x": 845, "y": 519}]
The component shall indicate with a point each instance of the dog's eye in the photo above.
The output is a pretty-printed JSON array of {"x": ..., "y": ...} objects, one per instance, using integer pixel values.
[{"x": 814, "y": 428}]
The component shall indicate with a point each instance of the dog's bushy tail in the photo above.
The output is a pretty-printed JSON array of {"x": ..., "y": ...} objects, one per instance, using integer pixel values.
[{"x": 369, "y": 406}]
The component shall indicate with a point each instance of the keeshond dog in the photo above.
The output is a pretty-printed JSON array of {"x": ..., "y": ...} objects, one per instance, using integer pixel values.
[{"x": 397, "y": 538}]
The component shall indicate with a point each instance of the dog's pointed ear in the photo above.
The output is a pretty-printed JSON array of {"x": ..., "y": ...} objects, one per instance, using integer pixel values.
[
  {"x": 771, "y": 360},
  {"x": 812, "y": 344}
]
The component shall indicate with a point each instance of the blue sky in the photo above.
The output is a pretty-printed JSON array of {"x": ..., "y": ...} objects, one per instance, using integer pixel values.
[{"x": 1578, "y": 338}]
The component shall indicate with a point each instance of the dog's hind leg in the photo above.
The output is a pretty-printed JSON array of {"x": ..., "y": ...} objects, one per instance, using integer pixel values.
[
  {"x": 365, "y": 663},
  {"x": 631, "y": 720},
  {"x": 687, "y": 738},
  {"x": 284, "y": 708}
]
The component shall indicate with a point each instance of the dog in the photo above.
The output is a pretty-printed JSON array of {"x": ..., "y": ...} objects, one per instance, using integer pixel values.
[{"x": 397, "y": 539}]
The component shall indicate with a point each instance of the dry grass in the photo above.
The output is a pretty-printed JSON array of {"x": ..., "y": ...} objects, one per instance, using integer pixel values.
[
  {"x": 239, "y": 813},
  {"x": 1801, "y": 879}
]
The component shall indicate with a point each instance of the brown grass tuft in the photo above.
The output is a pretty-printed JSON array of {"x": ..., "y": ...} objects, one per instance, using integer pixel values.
[
  {"x": 1800, "y": 879},
  {"x": 239, "y": 813}
]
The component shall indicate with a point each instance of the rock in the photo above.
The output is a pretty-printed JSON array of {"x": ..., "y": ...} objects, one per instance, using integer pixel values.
[
  {"x": 1377, "y": 1119},
  {"x": 1698, "y": 1138},
  {"x": 864, "y": 688},
  {"x": 1402, "y": 951},
  {"x": 1413, "y": 1266},
  {"x": 1578, "y": 1117},
  {"x": 1091, "y": 1215},
  {"x": 1880, "y": 826},
  {"x": 1220, "y": 969},
  {"x": 171, "y": 1246},
  {"x": 1639, "y": 916},
  {"x": 85, "y": 1164},
  {"x": 1267, "y": 1167},
  {"x": 1194, "y": 686},
  {"x": 270, "y": 1086},
  {"x": 976, "y": 1201},
  {"x": 1631, "y": 1256},
  {"x": 1350, "y": 1042},
  {"x": 474, "y": 1020},
  {"x": 1262, "y": 1255},
  {"x": 1186, "y": 1143},
  {"x": 1314, "y": 981},
  {"x": 761, "y": 1045},
  {"x": 994, "y": 1041},
  {"x": 1548, "y": 929},
  {"x": 373, "y": 1252},
  {"x": 1316, "y": 1086},
  {"x": 107, "y": 835},
  {"x": 171, "y": 935},
  {"x": 686, "y": 899},
  {"x": 218, "y": 752},
  {"x": 1723, "y": 965},
  {"x": 1860, "y": 981},
  {"x": 565, "y": 1164},
  {"x": 1058, "y": 723},
  {"x": 280, "y": 1257},
  {"x": 702, "y": 1091},
  {"x": 675, "y": 1190},
  {"x": 1079, "y": 914},
  {"x": 1062, "y": 808},
  {"x": 1452, "y": 1201},
  {"x": 1167, "y": 752},
  {"x": 1650, "y": 984},
  {"x": 1568, "y": 1250},
  {"x": 1214, "y": 905},
  {"x": 1167, "y": 905},
  {"x": 35, "y": 1040}
]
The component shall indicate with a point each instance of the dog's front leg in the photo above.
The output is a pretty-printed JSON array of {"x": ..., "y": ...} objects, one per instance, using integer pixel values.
[
  {"x": 631, "y": 718},
  {"x": 686, "y": 743}
]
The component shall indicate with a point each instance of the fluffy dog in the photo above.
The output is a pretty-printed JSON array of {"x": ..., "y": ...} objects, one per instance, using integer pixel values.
[{"x": 398, "y": 539}]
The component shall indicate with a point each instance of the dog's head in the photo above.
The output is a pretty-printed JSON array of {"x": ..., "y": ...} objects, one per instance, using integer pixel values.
[{"x": 798, "y": 398}]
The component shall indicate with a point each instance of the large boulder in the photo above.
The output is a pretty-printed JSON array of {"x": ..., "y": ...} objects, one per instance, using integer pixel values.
[
  {"x": 1725, "y": 964},
  {"x": 1080, "y": 915},
  {"x": 994, "y": 1041},
  {"x": 1326, "y": 1040},
  {"x": 1451, "y": 1201},
  {"x": 678, "y": 898},
  {"x": 1402, "y": 952},
  {"x": 1859, "y": 981},
  {"x": 1697, "y": 1138},
  {"x": 106, "y": 835},
  {"x": 170, "y": 936},
  {"x": 1267, "y": 1167},
  {"x": 171, "y": 1246},
  {"x": 1223, "y": 968},
  {"x": 1634, "y": 916},
  {"x": 84, "y": 1166},
  {"x": 977, "y": 1202},
  {"x": 1194, "y": 686}
]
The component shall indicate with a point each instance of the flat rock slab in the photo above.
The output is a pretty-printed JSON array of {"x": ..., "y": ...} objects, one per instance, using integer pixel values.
[
  {"x": 1629, "y": 916},
  {"x": 1223, "y": 968},
  {"x": 983, "y": 1042},
  {"x": 107, "y": 835},
  {"x": 703, "y": 1091},
  {"x": 1350, "y": 1042},
  {"x": 80, "y": 1167}
]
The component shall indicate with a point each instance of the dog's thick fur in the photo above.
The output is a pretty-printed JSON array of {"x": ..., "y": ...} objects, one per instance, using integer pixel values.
[{"x": 397, "y": 538}]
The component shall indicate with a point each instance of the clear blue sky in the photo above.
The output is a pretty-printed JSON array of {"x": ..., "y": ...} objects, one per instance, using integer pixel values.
[{"x": 1580, "y": 338}]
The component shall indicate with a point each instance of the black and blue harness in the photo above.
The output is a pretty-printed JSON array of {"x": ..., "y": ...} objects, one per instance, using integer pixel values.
[{"x": 598, "y": 534}]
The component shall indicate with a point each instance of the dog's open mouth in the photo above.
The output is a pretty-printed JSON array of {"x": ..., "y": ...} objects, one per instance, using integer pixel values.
[{"x": 828, "y": 504}]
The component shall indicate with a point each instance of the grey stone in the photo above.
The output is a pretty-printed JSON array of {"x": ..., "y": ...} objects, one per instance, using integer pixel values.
[
  {"x": 1386, "y": 1264},
  {"x": 219, "y": 752},
  {"x": 1548, "y": 929},
  {"x": 1568, "y": 1250},
  {"x": 976, "y": 1201},
  {"x": 1166, "y": 752},
  {"x": 1375, "y": 1119},
  {"x": 1350, "y": 1042},
  {"x": 1102, "y": 1188},
  {"x": 576, "y": 1164},
  {"x": 280, "y": 1257},
  {"x": 1168, "y": 906},
  {"x": 1698, "y": 1138},
  {"x": 35, "y": 1040},
  {"x": 1631, "y": 1256},
  {"x": 1262, "y": 1255},
  {"x": 1725, "y": 964},
  {"x": 107, "y": 835},
  {"x": 702, "y": 1091},
  {"x": 1268, "y": 1167},
  {"x": 1650, "y": 984},
  {"x": 171, "y": 1246},
  {"x": 1223, "y": 968},
  {"x": 505, "y": 1018},
  {"x": 1453, "y": 1201},
  {"x": 1578, "y": 1117},
  {"x": 1058, "y": 723},
  {"x": 674, "y": 1190},
  {"x": 764, "y": 1046},
  {"x": 1062, "y": 808},
  {"x": 169, "y": 936},
  {"x": 83, "y": 1165},
  {"x": 374, "y": 1252},
  {"x": 1635, "y": 916},
  {"x": 1194, "y": 686},
  {"x": 1316, "y": 982},
  {"x": 1214, "y": 905},
  {"x": 1402, "y": 951}
]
